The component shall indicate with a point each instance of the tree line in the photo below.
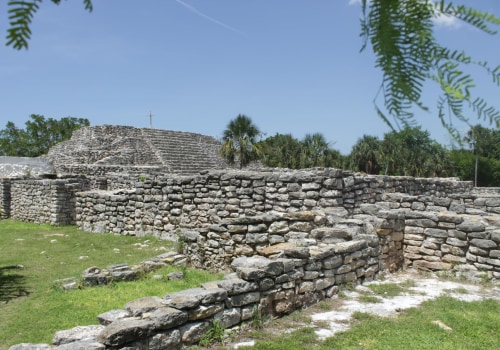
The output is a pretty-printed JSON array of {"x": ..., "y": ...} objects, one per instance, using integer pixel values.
[
  {"x": 407, "y": 152},
  {"x": 38, "y": 136}
]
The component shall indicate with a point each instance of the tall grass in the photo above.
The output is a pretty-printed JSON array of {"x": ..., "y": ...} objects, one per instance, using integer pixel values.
[{"x": 33, "y": 256}]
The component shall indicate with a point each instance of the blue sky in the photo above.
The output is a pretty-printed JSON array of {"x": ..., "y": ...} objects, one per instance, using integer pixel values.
[{"x": 293, "y": 66}]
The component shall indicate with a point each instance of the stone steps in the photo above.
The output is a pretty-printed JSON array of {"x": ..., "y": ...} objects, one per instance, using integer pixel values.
[{"x": 184, "y": 153}]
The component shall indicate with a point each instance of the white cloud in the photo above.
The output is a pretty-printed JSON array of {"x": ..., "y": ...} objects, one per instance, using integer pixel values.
[
  {"x": 447, "y": 21},
  {"x": 354, "y": 2}
]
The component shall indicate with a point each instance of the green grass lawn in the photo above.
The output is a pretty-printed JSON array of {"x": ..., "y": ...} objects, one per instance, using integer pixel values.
[
  {"x": 32, "y": 309},
  {"x": 474, "y": 326}
]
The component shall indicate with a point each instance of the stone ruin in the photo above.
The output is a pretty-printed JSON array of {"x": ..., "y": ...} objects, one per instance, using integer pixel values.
[{"x": 287, "y": 238}]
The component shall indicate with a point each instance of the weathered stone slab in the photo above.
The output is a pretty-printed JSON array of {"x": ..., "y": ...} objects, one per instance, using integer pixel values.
[
  {"x": 237, "y": 286},
  {"x": 126, "y": 330},
  {"x": 28, "y": 346},
  {"x": 483, "y": 243},
  {"x": 435, "y": 232},
  {"x": 203, "y": 311},
  {"x": 277, "y": 248},
  {"x": 431, "y": 265},
  {"x": 349, "y": 247},
  {"x": 471, "y": 226},
  {"x": 167, "y": 317},
  {"x": 191, "y": 298},
  {"x": 244, "y": 299},
  {"x": 229, "y": 317},
  {"x": 112, "y": 315},
  {"x": 82, "y": 345},
  {"x": 191, "y": 333},
  {"x": 322, "y": 233},
  {"x": 300, "y": 216},
  {"x": 269, "y": 267},
  {"x": 77, "y": 334},
  {"x": 139, "y": 306},
  {"x": 450, "y": 217}
]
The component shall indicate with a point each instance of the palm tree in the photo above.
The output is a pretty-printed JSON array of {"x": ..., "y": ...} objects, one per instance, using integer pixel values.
[
  {"x": 365, "y": 154},
  {"x": 241, "y": 141},
  {"x": 315, "y": 150}
]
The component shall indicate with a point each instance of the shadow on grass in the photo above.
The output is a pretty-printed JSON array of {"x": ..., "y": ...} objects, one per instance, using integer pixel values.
[{"x": 12, "y": 285}]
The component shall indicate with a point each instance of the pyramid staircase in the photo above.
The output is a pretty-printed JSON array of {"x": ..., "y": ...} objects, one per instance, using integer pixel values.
[{"x": 184, "y": 153}]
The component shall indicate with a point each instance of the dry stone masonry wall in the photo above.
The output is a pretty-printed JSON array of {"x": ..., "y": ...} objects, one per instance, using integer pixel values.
[
  {"x": 45, "y": 201},
  {"x": 164, "y": 203},
  {"x": 5, "y": 199},
  {"x": 460, "y": 234},
  {"x": 289, "y": 278}
]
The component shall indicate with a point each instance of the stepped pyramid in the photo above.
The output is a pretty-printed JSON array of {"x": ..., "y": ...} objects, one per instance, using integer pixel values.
[{"x": 175, "y": 151}]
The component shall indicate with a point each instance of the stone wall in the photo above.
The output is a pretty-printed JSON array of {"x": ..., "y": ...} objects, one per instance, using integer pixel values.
[
  {"x": 223, "y": 215},
  {"x": 460, "y": 234},
  {"x": 466, "y": 245},
  {"x": 46, "y": 201},
  {"x": 5, "y": 197},
  {"x": 161, "y": 204},
  {"x": 290, "y": 278},
  {"x": 272, "y": 235},
  {"x": 259, "y": 287}
]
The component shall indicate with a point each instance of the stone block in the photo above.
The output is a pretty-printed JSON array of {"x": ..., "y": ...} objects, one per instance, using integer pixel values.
[
  {"x": 204, "y": 311},
  {"x": 433, "y": 232},
  {"x": 495, "y": 236},
  {"x": 483, "y": 243},
  {"x": 471, "y": 226},
  {"x": 306, "y": 286},
  {"x": 432, "y": 265},
  {"x": 430, "y": 245},
  {"x": 126, "y": 330},
  {"x": 453, "y": 259},
  {"x": 445, "y": 248},
  {"x": 167, "y": 317},
  {"x": 191, "y": 298},
  {"x": 278, "y": 227},
  {"x": 323, "y": 283},
  {"x": 425, "y": 223},
  {"x": 76, "y": 334},
  {"x": 237, "y": 286},
  {"x": 349, "y": 247},
  {"x": 229, "y": 317},
  {"x": 345, "y": 278},
  {"x": 266, "y": 283},
  {"x": 456, "y": 242},
  {"x": 191, "y": 333},
  {"x": 413, "y": 230},
  {"x": 310, "y": 275},
  {"x": 244, "y": 299},
  {"x": 332, "y": 262},
  {"x": 140, "y": 306}
]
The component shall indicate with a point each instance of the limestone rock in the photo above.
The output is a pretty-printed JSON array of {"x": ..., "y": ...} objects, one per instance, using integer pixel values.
[{"x": 77, "y": 334}]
